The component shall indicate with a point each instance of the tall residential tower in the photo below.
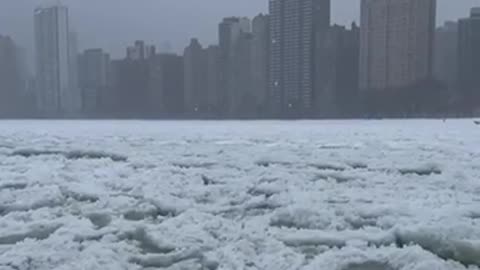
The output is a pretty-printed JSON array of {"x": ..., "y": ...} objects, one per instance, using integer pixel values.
[
  {"x": 55, "y": 62},
  {"x": 261, "y": 60},
  {"x": 396, "y": 43},
  {"x": 469, "y": 59},
  {"x": 230, "y": 30},
  {"x": 11, "y": 83},
  {"x": 195, "y": 75},
  {"x": 296, "y": 29},
  {"x": 445, "y": 64}
]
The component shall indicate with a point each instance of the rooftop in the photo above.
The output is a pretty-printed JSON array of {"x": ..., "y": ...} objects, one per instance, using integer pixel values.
[{"x": 49, "y": 4}]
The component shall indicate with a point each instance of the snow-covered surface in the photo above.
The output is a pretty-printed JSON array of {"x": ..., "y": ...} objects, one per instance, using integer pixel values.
[{"x": 312, "y": 195}]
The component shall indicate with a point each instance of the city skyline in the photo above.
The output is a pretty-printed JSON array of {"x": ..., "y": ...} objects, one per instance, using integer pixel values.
[
  {"x": 294, "y": 61},
  {"x": 114, "y": 32}
]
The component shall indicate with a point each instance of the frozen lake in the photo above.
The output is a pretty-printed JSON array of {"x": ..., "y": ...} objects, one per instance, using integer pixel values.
[{"x": 279, "y": 195}]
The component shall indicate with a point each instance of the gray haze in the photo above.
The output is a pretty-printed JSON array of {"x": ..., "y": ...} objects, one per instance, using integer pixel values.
[{"x": 113, "y": 24}]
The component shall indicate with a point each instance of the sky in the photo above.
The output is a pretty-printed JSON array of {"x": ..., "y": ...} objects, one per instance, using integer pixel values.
[{"x": 114, "y": 24}]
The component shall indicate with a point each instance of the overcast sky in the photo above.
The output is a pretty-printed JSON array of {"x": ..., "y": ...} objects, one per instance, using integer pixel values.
[{"x": 113, "y": 24}]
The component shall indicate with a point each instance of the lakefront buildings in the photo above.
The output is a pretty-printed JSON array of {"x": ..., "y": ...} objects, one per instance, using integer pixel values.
[{"x": 290, "y": 63}]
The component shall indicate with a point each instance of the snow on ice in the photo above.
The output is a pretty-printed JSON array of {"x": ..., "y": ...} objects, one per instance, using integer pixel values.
[{"x": 323, "y": 195}]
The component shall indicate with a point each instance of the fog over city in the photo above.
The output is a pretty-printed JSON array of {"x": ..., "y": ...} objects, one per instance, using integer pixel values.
[
  {"x": 113, "y": 24},
  {"x": 236, "y": 59}
]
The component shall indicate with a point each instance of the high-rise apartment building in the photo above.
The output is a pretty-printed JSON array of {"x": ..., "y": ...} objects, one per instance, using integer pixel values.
[
  {"x": 296, "y": 29},
  {"x": 469, "y": 59},
  {"x": 130, "y": 82},
  {"x": 396, "y": 43},
  {"x": 166, "y": 85},
  {"x": 229, "y": 32},
  {"x": 195, "y": 71},
  {"x": 261, "y": 61},
  {"x": 11, "y": 81},
  {"x": 94, "y": 66},
  {"x": 242, "y": 97},
  {"x": 445, "y": 61},
  {"x": 55, "y": 62},
  {"x": 213, "y": 79},
  {"x": 337, "y": 92}
]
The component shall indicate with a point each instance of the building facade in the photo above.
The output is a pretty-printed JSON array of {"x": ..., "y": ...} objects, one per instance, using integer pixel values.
[
  {"x": 214, "y": 80},
  {"x": 94, "y": 65},
  {"x": 396, "y": 47},
  {"x": 261, "y": 62},
  {"x": 445, "y": 62},
  {"x": 337, "y": 94},
  {"x": 130, "y": 93},
  {"x": 166, "y": 85},
  {"x": 55, "y": 62},
  {"x": 469, "y": 59},
  {"x": 296, "y": 29},
  {"x": 229, "y": 32},
  {"x": 242, "y": 98},
  {"x": 76, "y": 102},
  {"x": 195, "y": 70},
  {"x": 10, "y": 77}
]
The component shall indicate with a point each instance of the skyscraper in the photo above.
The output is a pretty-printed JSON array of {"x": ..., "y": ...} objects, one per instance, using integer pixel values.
[
  {"x": 130, "y": 82},
  {"x": 296, "y": 26},
  {"x": 195, "y": 70},
  {"x": 445, "y": 63},
  {"x": 469, "y": 59},
  {"x": 229, "y": 31},
  {"x": 261, "y": 60},
  {"x": 166, "y": 84},
  {"x": 76, "y": 95},
  {"x": 10, "y": 77},
  {"x": 396, "y": 47},
  {"x": 57, "y": 92},
  {"x": 242, "y": 98},
  {"x": 213, "y": 78},
  {"x": 94, "y": 67},
  {"x": 336, "y": 94}
]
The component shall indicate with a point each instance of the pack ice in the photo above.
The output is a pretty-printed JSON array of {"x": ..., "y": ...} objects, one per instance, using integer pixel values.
[{"x": 276, "y": 195}]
